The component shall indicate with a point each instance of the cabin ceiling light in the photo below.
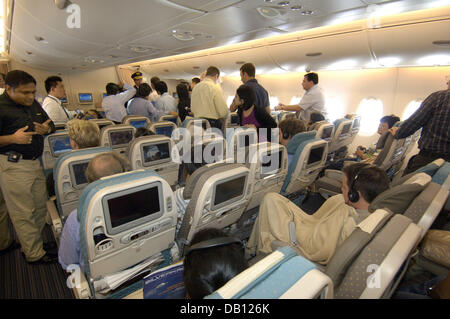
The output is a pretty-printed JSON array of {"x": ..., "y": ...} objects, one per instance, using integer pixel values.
[
  {"x": 268, "y": 12},
  {"x": 296, "y": 8},
  {"x": 389, "y": 61},
  {"x": 139, "y": 49},
  {"x": 62, "y": 4},
  {"x": 240, "y": 62},
  {"x": 283, "y": 3},
  {"x": 307, "y": 12},
  {"x": 342, "y": 65},
  {"x": 435, "y": 59}
]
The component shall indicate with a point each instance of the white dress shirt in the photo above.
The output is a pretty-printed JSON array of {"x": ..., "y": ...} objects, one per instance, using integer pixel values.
[
  {"x": 114, "y": 105},
  {"x": 166, "y": 103},
  {"x": 55, "y": 110},
  {"x": 313, "y": 100},
  {"x": 154, "y": 96}
]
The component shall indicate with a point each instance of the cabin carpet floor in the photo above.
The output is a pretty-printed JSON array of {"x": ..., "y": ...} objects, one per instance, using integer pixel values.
[{"x": 20, "y": 280}]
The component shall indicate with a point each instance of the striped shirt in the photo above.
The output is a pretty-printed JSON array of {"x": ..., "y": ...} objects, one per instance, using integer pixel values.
[{"x": 433, "y": 116}]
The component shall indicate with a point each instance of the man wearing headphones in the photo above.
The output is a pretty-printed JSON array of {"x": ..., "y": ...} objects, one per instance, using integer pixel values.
[
  {"x": 288, "y": 128},
  {"x": 318, "y": 236}
]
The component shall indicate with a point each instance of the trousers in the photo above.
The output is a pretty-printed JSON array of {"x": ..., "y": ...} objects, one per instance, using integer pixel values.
[{"x": 24, "y": 192}]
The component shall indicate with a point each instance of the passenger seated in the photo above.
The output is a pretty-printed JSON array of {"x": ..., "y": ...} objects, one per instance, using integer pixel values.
[
  {"x": 212, "y": 259},
  {"x": 318, "y": 236},
  {"x": 314, "y": 118},
  {"x": 367, "y": 154},
  {"x": 288, "y": 128},
  {"x": 386, "y": 122},
  {"x": 100, "y": 166},
  {"x": 142, "y": 131},
  {"x": 82, "y": 134}
]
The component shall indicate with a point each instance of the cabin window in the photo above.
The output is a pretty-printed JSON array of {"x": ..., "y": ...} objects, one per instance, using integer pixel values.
[
  {"x": 230, "y": 99},
  {"x": 371, "y": 111},
  {"x": 335, "y": 108},
  {"x": 295, "y": 100},
  {"x": 411, "y": 108},
  {"x": 273, "y": 100}
]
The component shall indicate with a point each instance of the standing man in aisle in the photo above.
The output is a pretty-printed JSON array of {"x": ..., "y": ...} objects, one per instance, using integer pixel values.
[
  {"x": 52, "y": 103},
  {"x": 207, "y": 100},
  {"x": 248, "y": 72},
  {"x": 433, "y": 116},
  {"x": 23, "y": 124},
  {"x": 312, "y": 101}
]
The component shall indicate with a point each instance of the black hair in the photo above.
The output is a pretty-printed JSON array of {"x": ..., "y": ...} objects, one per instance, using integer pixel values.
[
  {"x": 52, "y": 82},
  {"x": 154, "y": 80},
  {"x": 144, "y": 90},
  {"x": 112, "y": 89},
  {"x": 161, "y": 87},
  {"x": 196, "y": 80},
  {"x": 182, "y": 91},
  {"x": 142, "y": 131},
  {"x": 207, "y": 270},
  {"x": 390, "y": 120},
  {"x": 371, "y": 180},
  {"x": 16, "y": 78},
  {"x": 314, "y": 77},
  {"x": 248, "y": 68},
  {"x": 247, "y": 94},
  {"x": 315, "y": 117},
  {"x": 212, "y": 71}
]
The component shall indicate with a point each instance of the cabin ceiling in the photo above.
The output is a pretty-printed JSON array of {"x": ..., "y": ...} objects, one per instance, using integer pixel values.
[{"x": 117, "y": 32}]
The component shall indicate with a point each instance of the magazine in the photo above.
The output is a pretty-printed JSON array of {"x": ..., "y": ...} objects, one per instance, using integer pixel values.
[{"x": 165, "y": 283}]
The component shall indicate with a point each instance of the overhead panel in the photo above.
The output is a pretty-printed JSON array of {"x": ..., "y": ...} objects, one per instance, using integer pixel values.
[
  {"x": 412, "y": 42},
  {"x": 315, "y": 53}
]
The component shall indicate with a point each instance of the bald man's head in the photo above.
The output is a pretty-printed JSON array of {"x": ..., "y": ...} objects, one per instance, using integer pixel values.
[{"x": 106, "y": 165}]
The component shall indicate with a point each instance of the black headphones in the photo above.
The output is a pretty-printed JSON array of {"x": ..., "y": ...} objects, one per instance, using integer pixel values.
[
  {"x": 210, "y": 243},
  {"x": 353, "y": 195}
]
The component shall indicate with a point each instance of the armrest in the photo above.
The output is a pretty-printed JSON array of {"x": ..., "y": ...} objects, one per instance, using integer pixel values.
[
  {"x": 317, "y": 284},
  {"x": 55, "y": 219},
  {"x": 435, "y": 247},
  {"x": 334, "y": 174},
  {"x": 82, "y": 290}
]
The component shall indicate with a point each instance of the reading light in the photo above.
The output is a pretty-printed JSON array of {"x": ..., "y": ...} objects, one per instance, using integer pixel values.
[{"x": 435, "y": 59}]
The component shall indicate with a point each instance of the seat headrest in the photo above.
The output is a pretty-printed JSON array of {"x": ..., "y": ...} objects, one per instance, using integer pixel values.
[
  {"x": 193, "y": 179},
  {"x": 442, "y": 174},
  {"x": 382, "y": 140},
  {"x": 298, "y": 139},
  {"x": 398, "y": 198},
  {"x": 346, "y": 253}
]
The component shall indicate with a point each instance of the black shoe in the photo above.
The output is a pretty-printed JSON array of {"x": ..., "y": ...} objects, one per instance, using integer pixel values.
[
  {"x": 14, "y": 245},
  {"x": 46, "y": 259}
]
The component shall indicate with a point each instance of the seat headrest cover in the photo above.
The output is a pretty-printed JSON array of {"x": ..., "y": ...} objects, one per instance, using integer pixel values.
[
  {"x": 432, "y": 167},
  {"x": 442, "y": 174},
  {"x": 382, "y": 140},
  {"x": 397, "y": 198},
  {"x": 298, "y": 139},
  {"x": 193, "y": 179},
  {"x": 346, "y": 253},
  {"x": 419, "y": 178}
]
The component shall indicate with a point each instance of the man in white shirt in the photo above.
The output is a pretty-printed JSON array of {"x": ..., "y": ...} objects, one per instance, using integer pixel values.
[
  {"x": 52, "y": 102},
  {"x": 113, "y": 103},
  {"x": 166, "y": 103},
  {"x": 154, "y": 95},
  {"x": 207, "y": 100},
  {"x": 312, "y": 101}
]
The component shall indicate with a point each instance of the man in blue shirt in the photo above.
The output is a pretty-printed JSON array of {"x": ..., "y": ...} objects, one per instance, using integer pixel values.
[
  {"x": 100, "y": 166},
  {"x": 142, "y": 106},
  {"x": 248, "y": 72}
]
